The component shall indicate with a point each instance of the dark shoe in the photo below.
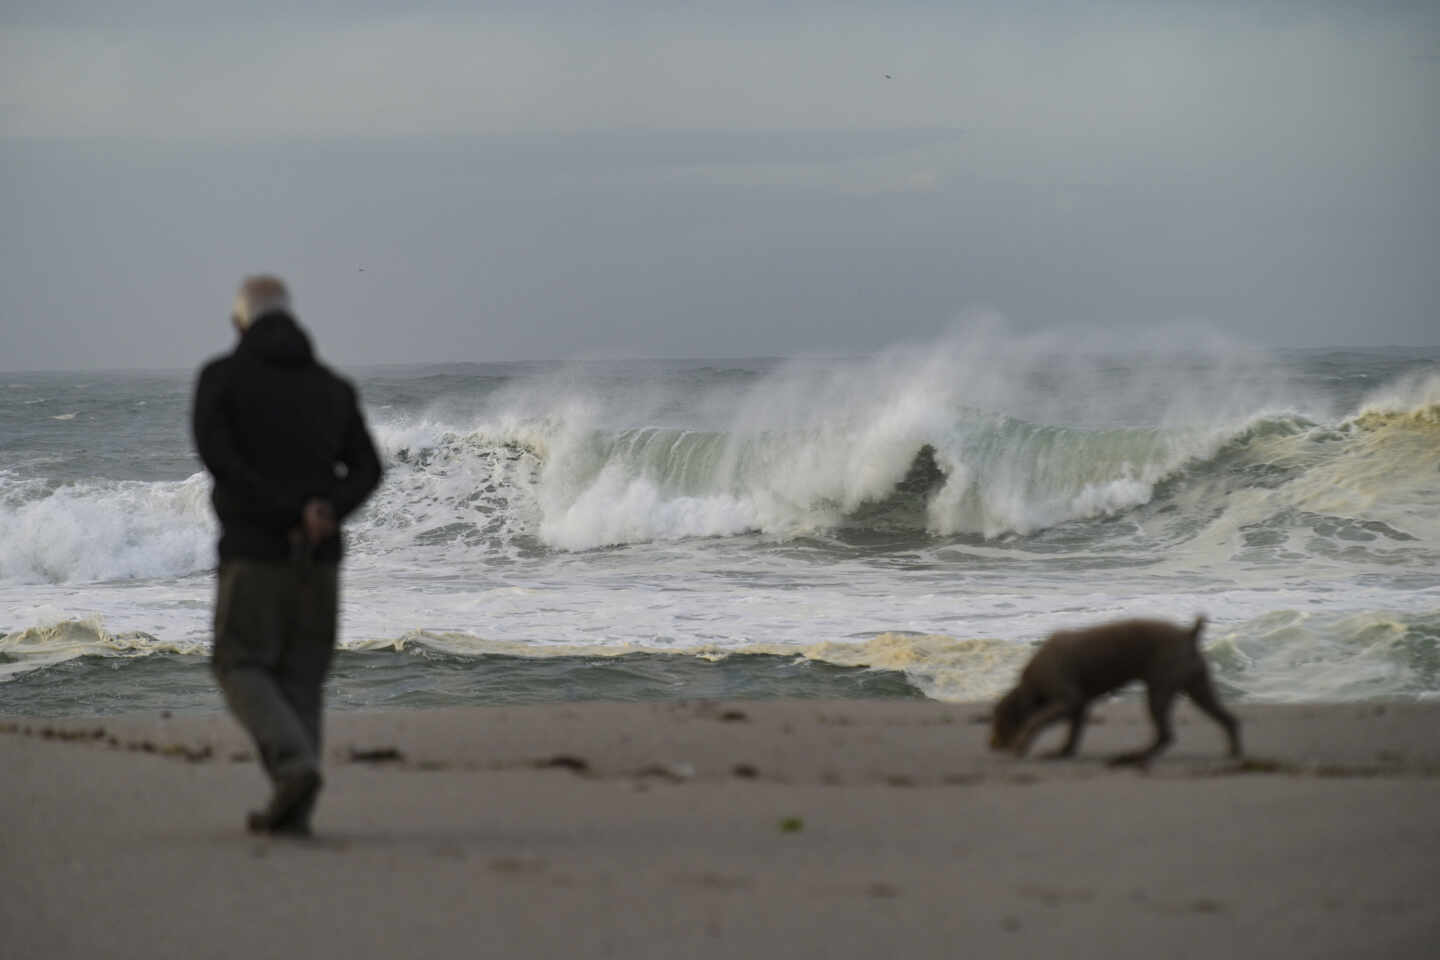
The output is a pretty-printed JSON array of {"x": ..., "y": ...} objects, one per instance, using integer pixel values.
[
  {"x": 289, "y": 810},
  {"x": 258, "y": 821}
]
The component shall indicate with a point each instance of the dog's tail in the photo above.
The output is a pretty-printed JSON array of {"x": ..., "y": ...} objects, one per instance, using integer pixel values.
[{"x": 1199, "y": 626}]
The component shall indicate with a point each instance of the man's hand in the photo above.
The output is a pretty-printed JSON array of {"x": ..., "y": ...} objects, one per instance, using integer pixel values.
[{"x": 317, "y": 521}]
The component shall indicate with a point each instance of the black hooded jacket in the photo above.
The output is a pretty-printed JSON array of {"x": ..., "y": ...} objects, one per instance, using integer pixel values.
[{"x": 276, "y": 428}]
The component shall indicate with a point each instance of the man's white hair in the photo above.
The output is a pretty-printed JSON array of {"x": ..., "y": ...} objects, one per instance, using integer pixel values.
[{"x": 258, "y": 296}]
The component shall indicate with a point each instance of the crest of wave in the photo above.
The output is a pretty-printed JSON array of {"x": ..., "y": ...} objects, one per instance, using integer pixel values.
[
  {"x": 451, "y": 485},
  {"x": 108, "y": 530},
  {"x": 65, "y": 639},
  {"x": 1415, "y": 396},
  {"x": 1029, "y": 431}
]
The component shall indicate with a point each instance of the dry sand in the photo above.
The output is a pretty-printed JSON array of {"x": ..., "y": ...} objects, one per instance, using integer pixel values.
[{"x": 728, "y": 830}]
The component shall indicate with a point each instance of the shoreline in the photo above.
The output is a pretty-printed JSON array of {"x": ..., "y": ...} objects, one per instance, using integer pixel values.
[{"x": 716, "y": 828}]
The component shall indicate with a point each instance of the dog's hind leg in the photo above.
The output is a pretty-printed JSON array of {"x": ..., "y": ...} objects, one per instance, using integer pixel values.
[
  {"x": 1202, "y": 692},
  {"x": 1159, "y": 701}
]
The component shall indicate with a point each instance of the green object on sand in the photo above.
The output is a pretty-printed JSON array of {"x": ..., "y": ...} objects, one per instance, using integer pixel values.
[{"x": 792, "y": 825}]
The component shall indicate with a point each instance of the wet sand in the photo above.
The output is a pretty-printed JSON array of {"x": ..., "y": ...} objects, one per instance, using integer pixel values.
[{"x": 804, "y": 829}]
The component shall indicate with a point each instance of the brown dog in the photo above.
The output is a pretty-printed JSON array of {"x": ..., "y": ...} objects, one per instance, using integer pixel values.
[{"x": 1076, "y": 666}]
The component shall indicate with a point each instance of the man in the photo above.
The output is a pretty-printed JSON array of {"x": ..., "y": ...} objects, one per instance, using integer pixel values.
[{"x": 287, "y": 446}]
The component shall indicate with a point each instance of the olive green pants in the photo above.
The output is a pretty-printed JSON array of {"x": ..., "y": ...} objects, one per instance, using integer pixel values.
[{"x": 275, "y": 627}]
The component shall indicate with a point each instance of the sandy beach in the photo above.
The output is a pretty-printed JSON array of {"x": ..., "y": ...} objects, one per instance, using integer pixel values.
[{"x": 811, "y": 829}]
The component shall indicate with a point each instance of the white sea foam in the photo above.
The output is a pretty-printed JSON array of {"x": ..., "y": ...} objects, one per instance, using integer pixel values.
[
  {"x": 107, "y": 530},
  {"x": 1280, "y": 655}
]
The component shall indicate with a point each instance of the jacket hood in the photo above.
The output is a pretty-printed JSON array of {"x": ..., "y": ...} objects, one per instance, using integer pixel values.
[{"x": 276, "y": 338}]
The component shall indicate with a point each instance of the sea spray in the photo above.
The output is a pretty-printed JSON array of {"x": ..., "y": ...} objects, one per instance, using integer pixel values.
[{"x": 799, "y": 449}]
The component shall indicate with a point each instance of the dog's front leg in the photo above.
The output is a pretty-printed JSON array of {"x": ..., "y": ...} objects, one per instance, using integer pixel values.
[
  {"x": 1072, "y": 740},
  {"x": 1038, "y": 721}
]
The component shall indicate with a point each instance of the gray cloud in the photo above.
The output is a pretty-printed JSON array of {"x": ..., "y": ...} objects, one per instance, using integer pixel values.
[
  {"x": 1118, "y": 77},
  {"x": 556, "y": 185}
]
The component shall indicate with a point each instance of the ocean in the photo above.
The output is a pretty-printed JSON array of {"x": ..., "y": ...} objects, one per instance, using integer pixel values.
[{"x": 905, "y": 524}]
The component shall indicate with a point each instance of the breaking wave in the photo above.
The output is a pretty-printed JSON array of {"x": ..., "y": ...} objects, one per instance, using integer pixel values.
[
  {"x": 104, "y": 530},
  {"x": 979, "y": 475},
  {"x": 901, "y": 445}
]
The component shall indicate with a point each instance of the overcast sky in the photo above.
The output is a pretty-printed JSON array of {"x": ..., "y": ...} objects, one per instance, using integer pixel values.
[{"x": 535, "y": 182}]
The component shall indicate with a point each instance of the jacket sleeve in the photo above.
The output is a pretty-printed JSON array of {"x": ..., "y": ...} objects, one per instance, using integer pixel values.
[
  {"x": 246, "y": 492},
  {"x": 362, "y": 464}
]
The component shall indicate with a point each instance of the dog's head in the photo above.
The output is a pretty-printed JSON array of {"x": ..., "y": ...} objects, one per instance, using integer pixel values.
[{"x": 1009, "y": 716}]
